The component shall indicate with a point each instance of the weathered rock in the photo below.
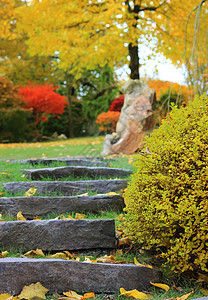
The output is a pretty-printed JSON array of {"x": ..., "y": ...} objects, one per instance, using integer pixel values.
[
  {"x": 135, "y": 120},
  {"x": 42, "y": 206},
  {"x": 67, "y": 187},
  {"x": 57, "y": 234},
  {"x": 76, "y": 171},
  {"x": 59, "y": 276}
]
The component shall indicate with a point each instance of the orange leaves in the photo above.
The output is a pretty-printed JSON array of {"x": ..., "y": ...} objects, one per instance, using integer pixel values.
[{"x": 108, "y": 120}]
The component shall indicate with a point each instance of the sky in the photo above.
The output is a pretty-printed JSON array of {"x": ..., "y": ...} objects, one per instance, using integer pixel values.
[{"x": 158, "y": 67}]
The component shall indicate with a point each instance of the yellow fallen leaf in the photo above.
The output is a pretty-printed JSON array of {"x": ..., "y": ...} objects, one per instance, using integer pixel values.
[
  {"x": 111, "y": 193},
  {"x": 184, "y": 297},
  {"x": 37, "y": 219},
  {"x": 1, "y": 193},
  {"x": 77, "y": 258},
  {"x": 107, "y": 259},
  {"x": 5, "y": 174},
  {"x": 5, "y": 253},
  {"x": 161, "y": 285},
  {"x": 35, "y": 252},
  {"x": 83, "y": 195},
  {"x": 20, "y": 217},
  {"x": 33, "y": 291},
  {"x": 5, "y": 296},
  {"x": 73, "y": 295},
  {"x": 60, "y": 255},
  {"x": 67, "y": 218},
  {"x": 79, "y": 216},
  {"x": 133, "y": 293},
  {"x": 89, "y": 295},
  {"x": 30, "y": 192},
  {"x": 137, "y": 263}
]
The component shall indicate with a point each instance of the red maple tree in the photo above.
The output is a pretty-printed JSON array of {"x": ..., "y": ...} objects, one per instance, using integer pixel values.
[{"x": 43, "y": 100}]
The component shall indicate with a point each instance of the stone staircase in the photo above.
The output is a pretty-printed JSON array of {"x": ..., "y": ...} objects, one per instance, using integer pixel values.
[{"x": 60, "y": 275}]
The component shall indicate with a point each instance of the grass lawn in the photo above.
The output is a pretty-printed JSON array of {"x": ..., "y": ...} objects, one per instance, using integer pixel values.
[{"x": 91, "y": 146}]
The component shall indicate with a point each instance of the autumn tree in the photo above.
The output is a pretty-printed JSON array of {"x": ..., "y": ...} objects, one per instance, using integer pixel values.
[
  {"x": 43, "y": 100},
  {"x": 85, "y": 33}
]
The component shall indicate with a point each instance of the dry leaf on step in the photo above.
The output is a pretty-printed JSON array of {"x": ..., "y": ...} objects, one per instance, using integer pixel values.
[
  {"x": 133, "y": 293},
  {"x": 33, "y": 290},
  {"x": 20, "y": 216}
]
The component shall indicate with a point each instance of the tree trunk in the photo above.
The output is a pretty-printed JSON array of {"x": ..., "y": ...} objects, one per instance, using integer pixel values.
[
  {"x": 134, "y": 61},
  {"x": 69, "y": 94}
]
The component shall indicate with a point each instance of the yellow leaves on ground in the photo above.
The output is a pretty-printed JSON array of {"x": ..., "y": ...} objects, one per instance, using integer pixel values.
[
  {"x": 161, "y": 285},
  {"x": 184, "y": 297},
  {"x": 72, "y": 142},
  {"x": 141, "y": 265},
  {"x": 20, "y": 216},
  {"x": 7, "y": 297},
  {"x": 4, "y": 173},
  {"x": 133, "y": 293},
  {"x": 30, "y": 192},
  {"x": 33, "y": 291},
  {"x": 38, "y": 252},
  {"x": 73, "y": 295}
]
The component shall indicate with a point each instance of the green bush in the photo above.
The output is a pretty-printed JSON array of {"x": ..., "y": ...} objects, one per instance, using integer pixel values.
[
  {"x": 167, "y": 197},
  {"x": 15, "y": 126}
]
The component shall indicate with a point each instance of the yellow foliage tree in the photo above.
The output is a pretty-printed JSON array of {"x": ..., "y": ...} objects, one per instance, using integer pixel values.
[{"x": 84, "y": 33}]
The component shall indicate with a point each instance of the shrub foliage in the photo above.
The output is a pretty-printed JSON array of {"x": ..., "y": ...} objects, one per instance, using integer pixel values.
[
  {"x": 167, "y": 198},
  {"x": 107, "y": 121}
]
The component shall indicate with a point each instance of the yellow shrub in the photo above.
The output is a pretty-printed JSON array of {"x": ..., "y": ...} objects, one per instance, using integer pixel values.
[{"x": 167, "y": 198}]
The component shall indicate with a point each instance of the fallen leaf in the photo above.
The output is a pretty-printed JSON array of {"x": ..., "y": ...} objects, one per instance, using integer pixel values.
[
  {"x": 79, "y": 216},
  {"x": 69, "y": 254},
  {"x": 30, "y": 192},
  {"x": 35, "y": 252},
  {"x": 20, "y": 217},
  {"x": 184, "y": 297},
  {"x": 59, "y": 255},
  {"x": 73, "y": 295},
  {"x": 4, "y": 173},
  {"x": 133, "y": 293},
  {"x": 7, "y": 297},
  {"x": 33, "y": 290},
  {"x": 67, "y": 218},
  {"x": 137, "y": 263},
  {"x": 107, "y": 259},
  {"x": 1, "y": 193},
  {"x": 23, "y": 176},
  {"x": 124, "y": 241},
  {"x": 89, "y": 295},
  {"x": 5, "y": 253},
  {"x": 83, "y": 195},
  {"x": 161, "y": 285}
]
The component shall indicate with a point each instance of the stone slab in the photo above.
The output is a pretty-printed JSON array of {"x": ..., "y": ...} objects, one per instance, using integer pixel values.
[
  {"x": 42, "y": 206},
  {"x": 72, "y": 161},
  {"x": 76, "y": 171},
  {"x": 58, "y": 235},
  {"x": 59, "y": 275},
  {"x": 67, "y": 187}
]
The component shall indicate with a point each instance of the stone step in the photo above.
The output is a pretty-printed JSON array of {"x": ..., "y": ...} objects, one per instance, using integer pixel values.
[
  {"x": 76, "y": 171},
  {"x": 72, "y": 161},
  {"x": 42, "y": 206},
  {"x": 67, "y": 187},
  {"x": 55, "y": 235},
  {"x": 61, "y": 275}
]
